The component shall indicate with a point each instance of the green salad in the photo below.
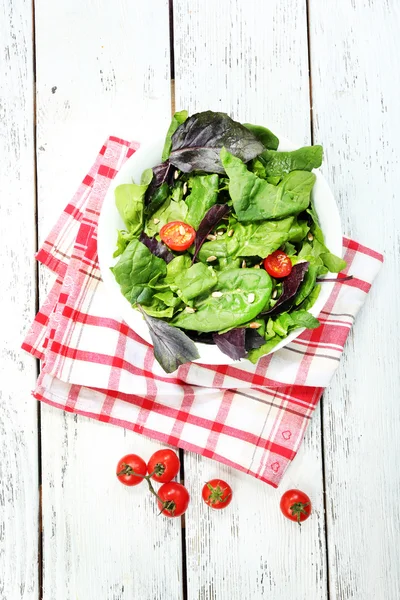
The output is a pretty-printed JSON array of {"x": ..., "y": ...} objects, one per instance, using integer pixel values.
[{"x": 221, "y": 243}]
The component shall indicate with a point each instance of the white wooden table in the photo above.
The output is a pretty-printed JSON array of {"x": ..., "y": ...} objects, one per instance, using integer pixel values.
[{"x": 73, "y": 72}]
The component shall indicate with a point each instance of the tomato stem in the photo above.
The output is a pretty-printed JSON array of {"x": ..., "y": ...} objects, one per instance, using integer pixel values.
[
  {"x": 167, "y": 504},
  {"x": 298, "y": 508}
]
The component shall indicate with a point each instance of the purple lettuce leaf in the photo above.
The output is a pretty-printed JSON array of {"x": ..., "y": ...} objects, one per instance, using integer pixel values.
[
  {"x": 162, "y": 173},
  {"x": 290, "y": 286},
  {"x": 157, "y": 248},
  {"x": 210, "y": 220},
  {"x": 237, "y": 342}
]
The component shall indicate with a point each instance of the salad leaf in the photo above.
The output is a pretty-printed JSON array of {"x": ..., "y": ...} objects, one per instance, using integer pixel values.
[
  {"x": 169, "y": 211},
  {"x": 157, "y": 248},
  {"x": 162, "y": 173},
  {"x": 197, "y": 280},
  {"x": 210, "y": 220},
  {"x": 158, "y": 309},
  {"x": 129, "y": 199},
  {"x": 176, "y": 267},
  {"x": 257, "y": 353},
  {"x": 196, "y": 144},
  {"x": 232, "y": 343},
  {"x": 308, "y": 283},
  {"x": 266, "y": 137},
  {"x": 298, "y": 231},
  {"x": 253, "y": 339},
  {"x": 277, "y": 164},
  {"x": 123, "y": 239},
  {"x": 239, "y": 296},
  {"x": 203, "y": 195},
  {"x": 257, "y": 200},
  {"x": 168, "y": 298},
  {"x": 177, "y": 119},
  {"x": 258, "y": 239},
  {"x": 136, "y": 269},
  {"x": 333, "y": 263},
  {"x": 172, "y": 347},
  {"x": 302, "y": 318},
  {"x": 290, "y": 285},
  {"x": 311, "y": 299},
  {"x": 158, "y": 198}
]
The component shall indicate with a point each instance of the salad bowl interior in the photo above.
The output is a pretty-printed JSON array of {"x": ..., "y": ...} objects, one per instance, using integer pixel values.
[{"x": 149, "y": 155}]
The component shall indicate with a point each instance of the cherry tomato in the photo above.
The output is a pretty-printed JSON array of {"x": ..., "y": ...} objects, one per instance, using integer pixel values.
[
  {"x": 164, "y": 464},
  {"x": 177, "y": 235},
  {"x": 175, "y": 497},
  {"x": 127, "y": 466},
  {"x": 295, "y": 505},
  {"x": 217, "y": 493},
  {"x": 278, "y": 264}
]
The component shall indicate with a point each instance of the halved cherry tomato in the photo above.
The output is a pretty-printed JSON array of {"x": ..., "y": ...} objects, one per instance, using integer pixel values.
[
  {"x": 175, "y": 498},
  {"x": 177, "y": 235},
  {"x": 128, "y": 466},
  {"x": 217, "y": 493},
  {"x": 295, "y": 505},
  {"x": 164, "y": 464},
  {"x": 278, "y": 264}
]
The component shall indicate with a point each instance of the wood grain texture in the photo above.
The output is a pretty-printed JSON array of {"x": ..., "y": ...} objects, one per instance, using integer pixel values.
[
  {"x": 355, "y": 57},
  {"x": 103, "y": 68},
  {"x": 19, "y": 495},
  {"x": 250, "y": 60}
]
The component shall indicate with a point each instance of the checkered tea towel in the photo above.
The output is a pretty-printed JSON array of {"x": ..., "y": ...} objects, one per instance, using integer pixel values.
[{"x": 251, "y": 417}]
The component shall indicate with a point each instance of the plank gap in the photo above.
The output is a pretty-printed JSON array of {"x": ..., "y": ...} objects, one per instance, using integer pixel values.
[
  {"x": 183, "y": 530},
  {"x": 171, "y": 39},
  {"x": 37, "y": 300},
  {"x": 309, "y": 71},
  {"x": 324, "y": 499}
]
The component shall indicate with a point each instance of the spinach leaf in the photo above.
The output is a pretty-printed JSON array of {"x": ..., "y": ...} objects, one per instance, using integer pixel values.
[
  {"x": 307, "y": 284},
  {"x": 239, "y": 296},
  {"x": 129, "y": 199},
  {"x": 162, "y": 173},
  {"x": 298, "y": 231},
  {"x": 123, "y": 239},
  {"x": 169, "y": 211},
  {"x": 158, "y": 309},
  {"x": 172, "y": 347},
  {"x": 203, "y": 195},
  {"x": 196, "y": 144},
  {"x": 277, "y": 164},
  {"x": 257, "y": 200},
  {"x": 287, "y": 322},
  {"x": 136, "y": 269},
  {"x": 197, "y": 280},
  {"x": 176, "y": 267},
  {"x": 177, "y": 119},
  {"x": 315, "y": 228},
  {"x": 290, "y": 285},
  {"x": 168, "y": 298},
  {"x": 157, "y": 248},
  {"x": 210, "y": 220},
  {"x": 266, "y": 137},
  {"x": 258, "y": 239}
]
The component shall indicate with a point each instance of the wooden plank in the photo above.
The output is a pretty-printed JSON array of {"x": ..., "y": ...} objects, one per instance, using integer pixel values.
[
  {"x": 357, "y": 121},
  {"x": 19, "y": 497},
  {"x": 103, "y": 69},
  {"x": 250, "y": 60}
]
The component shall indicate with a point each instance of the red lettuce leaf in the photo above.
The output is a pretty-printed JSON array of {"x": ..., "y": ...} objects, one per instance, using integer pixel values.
[
  {"x": 237, "y": 342},
  {"x": 157, "y": 248},
  {"x": 290, "y": 286},
  {"x": 210, "y": 220},
  {"x": 197, "y": 143}
]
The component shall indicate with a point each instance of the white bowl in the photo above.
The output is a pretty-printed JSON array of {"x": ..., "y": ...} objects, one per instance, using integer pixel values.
[{"x": 149, "y": 155}]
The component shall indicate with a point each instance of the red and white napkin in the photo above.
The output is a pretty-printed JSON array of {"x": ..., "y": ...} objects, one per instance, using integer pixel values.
[{"x": 251, "y": 417}]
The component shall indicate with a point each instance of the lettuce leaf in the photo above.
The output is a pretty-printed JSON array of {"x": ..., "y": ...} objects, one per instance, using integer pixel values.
[
  {"x": 203, "y": 195},
  {"x": 177, "y": 119}
]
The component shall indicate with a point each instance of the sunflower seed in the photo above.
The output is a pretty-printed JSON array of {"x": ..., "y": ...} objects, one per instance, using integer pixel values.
[
  {"x": 310, "y": 236},
  {"x": 176, "y": 174},
  {"x": 274, "y": 294},
  {"x": 211, "y": 258},
  {"x": 156, "y": 221},
  {"x": 254, "y": 325},
  {"x": 185, "y": 188},
  {"x": 189, "y": 309},
  {"x": 250, "y": 298},
  {"x": 244, "y": 264},
  {"x": 256, "y": 267},
  {"x": 211, "y": 237},
  {"x": 230, "y": 233},
  {"x": 220, "y": 233},
  {"x": 182, "y": 230},
  {"x": 216, "y": 294}
]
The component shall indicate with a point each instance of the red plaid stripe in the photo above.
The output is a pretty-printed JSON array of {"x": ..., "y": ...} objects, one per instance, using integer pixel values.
[{"x": 251, "y": 417}]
